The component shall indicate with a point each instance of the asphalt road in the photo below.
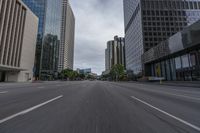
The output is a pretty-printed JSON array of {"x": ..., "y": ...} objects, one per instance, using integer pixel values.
[{"x": 98, "y": 107}]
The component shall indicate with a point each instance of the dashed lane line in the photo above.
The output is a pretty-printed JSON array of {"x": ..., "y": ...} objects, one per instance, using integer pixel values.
[
  {"x": 29, "y": 110},
  {"x": 168, "y": 114}
]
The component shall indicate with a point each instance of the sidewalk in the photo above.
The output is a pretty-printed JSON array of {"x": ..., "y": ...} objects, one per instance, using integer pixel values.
[
  {"x": 195, "y": 84},
  {"x": 13, "y": 83}
]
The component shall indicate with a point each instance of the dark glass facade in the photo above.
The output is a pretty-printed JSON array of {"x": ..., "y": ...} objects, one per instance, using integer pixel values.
[
  {"x": 56, "y": 31},
  {"x": 115, "y": 53},
  {"x": 149, "y": 22},
  {"x": 39, "y": 9},
  {"x": 52, "y": 39},
  {"x": 177, "y": 58}
]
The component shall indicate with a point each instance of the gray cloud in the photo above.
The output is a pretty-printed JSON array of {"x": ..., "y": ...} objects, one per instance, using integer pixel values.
[{"x": 97, "y": 21}]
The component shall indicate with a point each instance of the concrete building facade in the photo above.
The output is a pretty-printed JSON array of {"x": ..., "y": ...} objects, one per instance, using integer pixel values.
[
  {"x": 149, "y": 22},
  {"x": 18, "y": 33},
  {"x": 66, "y": 49},
  {"x": 115, "y": 53}
]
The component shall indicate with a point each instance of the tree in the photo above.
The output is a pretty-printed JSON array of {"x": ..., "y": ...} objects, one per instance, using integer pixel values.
[
  {"x": 73, "y": 75},
  {"x": 82, "y": 76},
  {"x": 90, "y": 77},
  {"x": 68, "y": 74},
  {"x": 117, "y": 72}
]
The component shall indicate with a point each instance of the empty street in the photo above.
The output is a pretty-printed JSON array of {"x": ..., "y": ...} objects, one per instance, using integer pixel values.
[{"x": 98, "y": 107}]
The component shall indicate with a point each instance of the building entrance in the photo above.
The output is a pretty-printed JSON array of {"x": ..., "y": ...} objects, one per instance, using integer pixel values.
[{"x": 2, "y": 76}]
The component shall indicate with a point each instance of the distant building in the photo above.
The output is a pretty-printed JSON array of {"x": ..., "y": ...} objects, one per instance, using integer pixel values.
[
  {"x": 55, "y": 45},
  {"x": 94, "y": 75},
  {"x": 66, "y": 49},
  {"x": 115, "y": 53},
  {"x": 84, "y": 71},
  {"x": 177, "y": 58},
  {"x": 149, "y": 22},
  {"x": 18, "y": 34}
]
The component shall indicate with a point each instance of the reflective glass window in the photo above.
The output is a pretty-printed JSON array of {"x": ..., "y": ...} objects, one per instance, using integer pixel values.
[
  {"x": 193, "y": 59},
  {"x": 178, "y": 62},
  {"x": 168, "y": 71},
  {"x": 185, "y": 61}
]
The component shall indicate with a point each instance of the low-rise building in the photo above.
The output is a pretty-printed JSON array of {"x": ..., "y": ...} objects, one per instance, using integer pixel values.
[
  {"x": 84, "y": 71},
  {"x": 177, "y": 58},
  {"x": 18, "y": 33}
]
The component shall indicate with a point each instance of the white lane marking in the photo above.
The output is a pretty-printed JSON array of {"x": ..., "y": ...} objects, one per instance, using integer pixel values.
[
  {"x": 168, "y": 114},
  {"x": 3, "y": 92},
  {"x": 29, "y": 110}
]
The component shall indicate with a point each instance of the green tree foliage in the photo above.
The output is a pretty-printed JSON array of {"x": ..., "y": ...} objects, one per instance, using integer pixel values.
[
  {"x": 90, "y": 77},
  {"x": 82, "y": 76},
  {"x": 65, "y": 74},
  {"x": 117, "y": 72},
  {"x": 69, "y": 74}
]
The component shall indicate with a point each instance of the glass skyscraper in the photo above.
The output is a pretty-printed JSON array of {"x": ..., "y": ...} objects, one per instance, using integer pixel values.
[
  {"x": 54, "y": 33},
  {"x": 115, "y": 53},
  {"x": 39, "y": 8},
  {"x": 148, "y": 22},
  {"x": 52, "y": 37}
]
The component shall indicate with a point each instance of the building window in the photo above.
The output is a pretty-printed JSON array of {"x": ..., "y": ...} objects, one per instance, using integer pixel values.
[
  {"x": 178, "y": 63},
  {"x": 185, "y": 61},
  {"x": 191, "y": 5},
  {"x": 193, "y": 59}
]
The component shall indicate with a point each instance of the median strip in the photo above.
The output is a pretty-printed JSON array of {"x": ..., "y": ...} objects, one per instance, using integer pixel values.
[
  {"x": 29, "y": 110},
  {"x": 168, "y": 114}
]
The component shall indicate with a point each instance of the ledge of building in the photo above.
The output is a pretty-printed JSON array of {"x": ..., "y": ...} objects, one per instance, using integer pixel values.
[{"x": 10, "y": 68}]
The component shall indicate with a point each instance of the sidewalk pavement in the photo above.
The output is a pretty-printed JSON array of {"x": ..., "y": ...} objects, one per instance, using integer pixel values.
[
  {"x": 182, "y": 83},
  {"x": 195, "y": 84}
]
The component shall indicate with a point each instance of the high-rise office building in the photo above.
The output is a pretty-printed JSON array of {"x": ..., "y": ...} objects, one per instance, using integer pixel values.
[
  {"x": 115, "y": 53},
  {"x": 38, "y": 7},
  {"x": 66, "y": 49},
  {"x": 57, "y": 31},
  {"x": 148, "y": 22},
  {"x": 18, "y": 33}
]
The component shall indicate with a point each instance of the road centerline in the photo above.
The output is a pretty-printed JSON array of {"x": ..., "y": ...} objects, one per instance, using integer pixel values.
[
  {"x": 29, "y": 109},
  {"x": 168, "y": 114}
]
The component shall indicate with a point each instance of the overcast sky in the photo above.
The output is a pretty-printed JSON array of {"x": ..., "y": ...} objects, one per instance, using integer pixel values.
[{"x": 97, "y": 21}]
